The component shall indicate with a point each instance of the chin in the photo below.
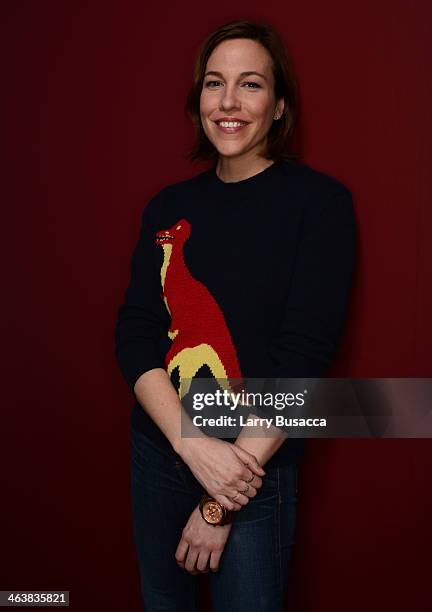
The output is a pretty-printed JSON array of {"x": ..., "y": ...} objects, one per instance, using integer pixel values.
[{"x": 229, "y": 151}]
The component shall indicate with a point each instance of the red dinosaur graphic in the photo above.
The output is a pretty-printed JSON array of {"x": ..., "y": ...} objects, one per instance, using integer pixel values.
[{"x": 198, "y": 328}]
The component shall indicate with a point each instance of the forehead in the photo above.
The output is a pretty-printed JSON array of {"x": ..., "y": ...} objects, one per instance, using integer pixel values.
[{"x": 240, "y": 54}]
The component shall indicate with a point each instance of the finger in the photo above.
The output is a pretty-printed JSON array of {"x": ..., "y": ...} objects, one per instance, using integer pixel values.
[
  {"x": 235, "y": 499},
  {"x": 250, "y": 488},
  {"x": 249, "y": 460},
  {"x": 250, "y": 478},
  {"x": 249, "y": 492},
  {"x": 240, "y": 498},
  {"x": 202, "y": 561},
  {"x": 236, "y": 487},
  {"x": 227, "y": 502},
  {"x": 214, "y": 561},
  {"x": 254, "y": 482},
  {"x": 181, "y": 551},
  {"x": 190, "y": 563}
]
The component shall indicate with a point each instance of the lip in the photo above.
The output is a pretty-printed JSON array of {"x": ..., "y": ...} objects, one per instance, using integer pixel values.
[{"x": 231, "y": 130}]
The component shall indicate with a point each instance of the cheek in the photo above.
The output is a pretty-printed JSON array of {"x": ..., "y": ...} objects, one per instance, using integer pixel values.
[
  {"x": 261, "y": 108},
  {"x": 265, "y": 108},
  {"x": 205, "y": 103}
]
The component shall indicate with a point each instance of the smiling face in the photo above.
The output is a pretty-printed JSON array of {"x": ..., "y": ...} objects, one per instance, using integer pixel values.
[{"x": 238, "y": 86}]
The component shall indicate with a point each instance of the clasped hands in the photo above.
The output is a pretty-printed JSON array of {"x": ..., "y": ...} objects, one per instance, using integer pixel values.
[{"x": 230, "y": 475}]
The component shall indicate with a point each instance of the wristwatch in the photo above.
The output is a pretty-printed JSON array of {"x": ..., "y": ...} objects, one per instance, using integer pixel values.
[{"x": 213, "y": 512}]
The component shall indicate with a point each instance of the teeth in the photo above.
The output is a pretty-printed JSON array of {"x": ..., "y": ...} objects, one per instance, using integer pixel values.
[{"x": 230, "y": 124}]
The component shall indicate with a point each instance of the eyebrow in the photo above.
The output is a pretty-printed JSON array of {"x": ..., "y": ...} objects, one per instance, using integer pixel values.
[{"x": 248, "y": 73}]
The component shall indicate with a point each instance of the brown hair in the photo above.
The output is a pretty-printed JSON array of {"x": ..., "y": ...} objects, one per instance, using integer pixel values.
[{"x": 279, "y": 137}]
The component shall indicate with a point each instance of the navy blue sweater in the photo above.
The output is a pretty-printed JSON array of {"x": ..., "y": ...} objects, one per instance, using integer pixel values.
[{"x": 242, "y": 279}]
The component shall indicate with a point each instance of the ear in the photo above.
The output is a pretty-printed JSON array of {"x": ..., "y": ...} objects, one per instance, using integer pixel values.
[{"x": 280, "y": 106}]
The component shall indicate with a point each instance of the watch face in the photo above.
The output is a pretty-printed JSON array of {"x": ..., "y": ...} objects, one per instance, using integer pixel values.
[{"x": 212, "y": 512}]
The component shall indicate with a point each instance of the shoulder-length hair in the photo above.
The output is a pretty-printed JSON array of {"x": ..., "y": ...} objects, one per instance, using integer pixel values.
[{"x": 279, "y": 137}]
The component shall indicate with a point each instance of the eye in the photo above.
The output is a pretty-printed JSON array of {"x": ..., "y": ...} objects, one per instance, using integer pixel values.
[
  {"x": 208, "y": 83},
  {"x": 254, "y": 85},
  {"x": 257, "y": 85}
]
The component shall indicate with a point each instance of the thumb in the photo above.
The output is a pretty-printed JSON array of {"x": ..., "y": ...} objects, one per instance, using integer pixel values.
[{"x": 250, "y": 460}]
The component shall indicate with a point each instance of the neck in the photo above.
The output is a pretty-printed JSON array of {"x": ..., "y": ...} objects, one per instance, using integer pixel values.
[{"x": 232, "y": 169}]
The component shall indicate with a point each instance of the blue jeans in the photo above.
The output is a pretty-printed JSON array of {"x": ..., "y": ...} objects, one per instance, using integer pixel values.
[{"x": 253, "y": 570}]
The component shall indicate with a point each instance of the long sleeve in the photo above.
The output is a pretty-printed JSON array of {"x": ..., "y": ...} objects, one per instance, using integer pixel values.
[
  {"x": 142, "y": 319},
  {"x": 257, "y": 285},
  {"x": 305, "y": 340}
]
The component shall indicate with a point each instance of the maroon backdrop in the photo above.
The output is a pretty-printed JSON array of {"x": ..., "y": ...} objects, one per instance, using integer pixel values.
[{"x": 94, "y": 93}]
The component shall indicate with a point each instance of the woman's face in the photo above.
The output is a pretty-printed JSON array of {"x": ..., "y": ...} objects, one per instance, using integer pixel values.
[{"x": 229, "y": 93}]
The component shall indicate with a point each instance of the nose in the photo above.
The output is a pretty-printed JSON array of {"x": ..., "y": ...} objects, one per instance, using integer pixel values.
[{"x": 229, "y": 98}]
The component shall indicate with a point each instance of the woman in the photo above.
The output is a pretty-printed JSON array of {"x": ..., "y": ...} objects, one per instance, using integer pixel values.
[{"x": 241, "y": 271}]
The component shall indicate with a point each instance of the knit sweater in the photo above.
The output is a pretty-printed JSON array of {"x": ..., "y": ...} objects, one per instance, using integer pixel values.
[{"x": 238, "y": 279}]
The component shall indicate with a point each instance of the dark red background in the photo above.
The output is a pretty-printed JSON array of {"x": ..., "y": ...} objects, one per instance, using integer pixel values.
[{"x": 94, "y": 93}]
